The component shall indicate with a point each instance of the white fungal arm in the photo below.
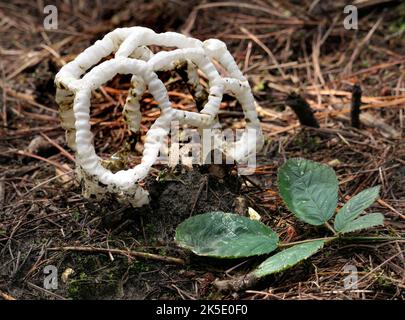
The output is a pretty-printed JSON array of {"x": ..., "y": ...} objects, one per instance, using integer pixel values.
[
  {"x": 132, "y": 108},
  {"x": 76, "y": 80}
]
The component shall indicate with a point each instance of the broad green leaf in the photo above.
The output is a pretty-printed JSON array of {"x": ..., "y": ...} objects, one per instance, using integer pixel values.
[
  {"x": 355, "y": 206},
  {"x": 309, "y": 189},
  {"x": 288, "y": 258},
  {"x": 364, "y": 222},
  {"x": 225, "y": 235}
]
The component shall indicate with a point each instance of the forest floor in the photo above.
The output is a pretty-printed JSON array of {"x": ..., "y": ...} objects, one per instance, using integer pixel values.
[{"x": 282, "y": 47}]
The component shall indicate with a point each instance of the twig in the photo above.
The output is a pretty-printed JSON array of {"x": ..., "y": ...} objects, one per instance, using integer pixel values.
[
  {"x": 383, "y": 203},
  {"x": 57, "y": 146},
  {"x": 29, "y": 154},
  {"x": 34, "y": 286},
  {"x": 126, "y": 253},
  {"x": 237, "y": 284},
  {"x": 265, "y": 48},
  {"x": 356, "y": 103}
]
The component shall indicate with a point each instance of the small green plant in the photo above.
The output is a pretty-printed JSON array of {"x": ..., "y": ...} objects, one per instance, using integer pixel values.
[{"x": 310, "y": 191}]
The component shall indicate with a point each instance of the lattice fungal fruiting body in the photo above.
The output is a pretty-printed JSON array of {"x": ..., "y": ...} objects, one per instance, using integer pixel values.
[{"x": 75, "y": 82}]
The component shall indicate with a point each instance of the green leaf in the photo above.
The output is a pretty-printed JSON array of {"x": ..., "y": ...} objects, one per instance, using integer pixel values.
[
  {"x": 225, "y": 235},
  {"x": 309, "y": 189},
  {"x": 355, "y": 206},
  {"x": 288, "y": 257},
  {"x": 364, "y": 222}
]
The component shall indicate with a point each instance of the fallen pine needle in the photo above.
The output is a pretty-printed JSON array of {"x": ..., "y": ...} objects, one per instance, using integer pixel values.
[
  {"x": 56, "y": 145},
  {"x": 31, "y": 155},
  {"x": 383, "y": 203},
  {"x": 47, "y": 181}
]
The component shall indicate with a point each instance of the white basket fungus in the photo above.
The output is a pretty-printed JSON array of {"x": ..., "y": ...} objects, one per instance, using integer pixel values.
[{"x": 76, "y": 80}]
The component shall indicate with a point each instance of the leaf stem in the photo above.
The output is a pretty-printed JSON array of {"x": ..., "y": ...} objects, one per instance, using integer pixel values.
[
  {"x": 330, "y": 239},
  {"x": 330, "y": 228},
  {"x": 289, "y": 244},
  {"x": 373, "y": 238}
]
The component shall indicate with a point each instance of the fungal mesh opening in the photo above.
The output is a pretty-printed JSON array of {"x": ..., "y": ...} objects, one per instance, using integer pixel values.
[
  {"x": 230, "y": 114},
  {"x": 158, "y": 48},
  {"x": 106, "y": 58},
  {"x": 187, "y": 97},
  {"x": 180, "y": 93},
  {"x": 118, "y": 146},
  {"x": 184, "y": 93}
]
